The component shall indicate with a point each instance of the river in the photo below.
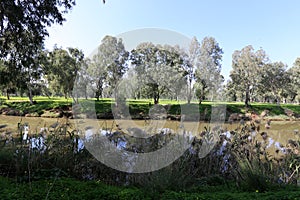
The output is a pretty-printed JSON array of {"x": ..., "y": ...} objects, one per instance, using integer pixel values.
[{"x": 280, "y": 130}]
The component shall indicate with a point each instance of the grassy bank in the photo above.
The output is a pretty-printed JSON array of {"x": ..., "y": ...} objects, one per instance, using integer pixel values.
[
  {"x": 58, "y": 167},
  {"x": 66, "y": 188},
  {"x": 139, "y": 109}
]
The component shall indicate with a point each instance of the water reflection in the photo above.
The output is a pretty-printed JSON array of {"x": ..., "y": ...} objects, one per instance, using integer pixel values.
[{"x": 38, "y": 144}]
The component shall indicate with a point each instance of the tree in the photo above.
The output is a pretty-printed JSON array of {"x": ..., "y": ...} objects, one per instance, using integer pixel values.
[
  {"x": 26, "y": 70},
  {"x": 231, "y": 91},
  {"x": 274, "y": 80},
  {"x": 112, "y": 57},
  {"x": 247, "y": 66},
  {"x": 207, "y": 57},
  {"x": 23, "y": 27},
  {"x": 294, "y": 87},
  {"x": 81, "y": 88},
  {"x": 159, "y": 69},
  {"x": 97, "y": 76},
  {"x": 63, "y": 68},
  {"x": 28, "y": 16},
  {"x": 6, "y": 79}
]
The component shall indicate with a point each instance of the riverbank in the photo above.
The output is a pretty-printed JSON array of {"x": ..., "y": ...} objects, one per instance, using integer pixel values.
[
  {"x": 139, "y": 109},
  {"x": 63, "y": 170}
]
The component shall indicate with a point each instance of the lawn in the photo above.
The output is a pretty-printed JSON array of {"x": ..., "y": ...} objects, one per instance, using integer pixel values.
[{"x": 138, "y": 108}]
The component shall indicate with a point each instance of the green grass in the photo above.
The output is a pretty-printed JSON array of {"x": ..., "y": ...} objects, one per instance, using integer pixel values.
[
  {"x": 136, "y": 107},
  {"x": 41, "y": 106},
  {"x": 66, "y": 188}
]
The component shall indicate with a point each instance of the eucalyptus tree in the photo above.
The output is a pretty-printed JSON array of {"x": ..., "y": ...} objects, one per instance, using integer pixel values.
[
  {"x": 30, "y": 73},
  {"x": 247, "y": 65},
  {"x": 231, "y": 91},
  {"x": 22, "y": 33},
  {"x": 7, "y": 83},
  {"x": 63, "y": 69},
  {"x": 294, "y": 87},
  {"x": 187, "y": 59},
  {"x": 274, "y": 80},
  {"x": 82, "y": 82},
  {"x": 112, "y": 57},
  {"x": 23, "y": 28},
  {"x": 28, "y": 16},
  {"x": 96, "y": 76},
  {"x": 159, "y": 69},
  {"x": 206, "y": 57}
]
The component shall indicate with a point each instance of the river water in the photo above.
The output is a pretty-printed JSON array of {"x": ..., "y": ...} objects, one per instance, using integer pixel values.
[{"x": 280, "y": 130}]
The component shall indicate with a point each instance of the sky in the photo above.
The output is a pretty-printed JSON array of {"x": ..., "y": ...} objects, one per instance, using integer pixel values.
[{"x": 273, "y": 25}]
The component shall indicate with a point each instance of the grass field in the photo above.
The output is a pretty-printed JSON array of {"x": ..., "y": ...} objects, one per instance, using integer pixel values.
[{"x": 136, "y": 107}]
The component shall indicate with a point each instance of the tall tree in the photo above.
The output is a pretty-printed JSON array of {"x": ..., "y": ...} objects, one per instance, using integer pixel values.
[
  {"x": 97, "y": 75},
  {"x": 63, "y": 69},
  {"x": 247, "y": 65},
  {"x": 274, "y": 80},
  {"x": 23, "y": 27},
  {"x": 159, "y": 69},
  {"x": 112, "y": 57},
  {"x": 294, "y": 87},
  {"x": 81, "y": 88},
  {"x": 7, "y": 83},
  {"x": 207, "y": 58},
  {"x": 28, "y": 16}
]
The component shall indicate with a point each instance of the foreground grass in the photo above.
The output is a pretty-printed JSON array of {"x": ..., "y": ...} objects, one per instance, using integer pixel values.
[{"x": 65, "y": 188}]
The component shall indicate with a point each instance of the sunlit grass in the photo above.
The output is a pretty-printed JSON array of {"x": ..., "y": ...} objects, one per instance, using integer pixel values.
[{"x": 136, "y": 106}]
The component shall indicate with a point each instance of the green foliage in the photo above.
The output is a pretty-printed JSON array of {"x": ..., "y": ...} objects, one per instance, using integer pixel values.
[
  {"x": 247, "y": 65},
  {"x": 159, "y": 70},
  {"x": 63, "y": 67},
  {"x": 66, "y": 188},
  {"x": 32, "y": 17},
  {"x": 23, "y": 30},
  {"x": 206, "y": 58},
  {"x": 293, "y": 87},
  {"x": 274, "y": 81},
  {"x": 106, "y": 67}
]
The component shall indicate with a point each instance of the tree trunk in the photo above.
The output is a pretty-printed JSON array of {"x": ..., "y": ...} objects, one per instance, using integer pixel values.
[
  {"x": 155, "y": 93},
  {"x": 200, "y": 101},
  {"x": 30, "y": 95},
  {"x": 189, "y": 95},
  {"x": 75, "y": 100},
  {"x": 278, "y": 99},
  {"x": 7, "y": 94},
  {"x": 293, "y": 97},
  {"x": 156, "y": 99},
  {"x": 247, "y": 98}
]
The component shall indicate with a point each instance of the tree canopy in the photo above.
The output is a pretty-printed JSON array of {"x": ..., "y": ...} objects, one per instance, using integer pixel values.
[
  {"x": 23, "y": 28},
  {"x": 247, "y": 65},
  {"x": 159, "y": 69},
  {"x": 24, "y": 23},
  {"x": 206, "y": 58}
]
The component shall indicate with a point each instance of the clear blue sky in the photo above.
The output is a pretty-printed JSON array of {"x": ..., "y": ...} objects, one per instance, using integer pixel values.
[{"x": 272, "y": 25}]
